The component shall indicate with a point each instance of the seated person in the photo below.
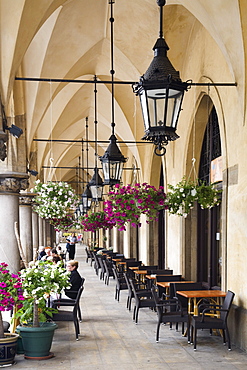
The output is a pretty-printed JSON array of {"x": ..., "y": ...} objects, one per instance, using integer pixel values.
[
  {"x": 56, "y": 259},
  {"x": 48, "y": 255},
  {"x": 75, "y": 279},
  {"x": 41, "y": 252}
]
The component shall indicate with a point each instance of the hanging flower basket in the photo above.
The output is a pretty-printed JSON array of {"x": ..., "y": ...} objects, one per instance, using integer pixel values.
[
  {"x": 127, "y": 203},
  {"x": 54, "y": 199},
  {"x": 181, "y": 197},
  {"x": 63, "y": 224},
  {"x": 96, "y": 221}
]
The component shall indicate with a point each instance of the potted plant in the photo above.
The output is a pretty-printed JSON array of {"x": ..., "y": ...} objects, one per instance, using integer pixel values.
[
  {"x": 10, "y": 296},
  {"x": 38, "y": 282}
]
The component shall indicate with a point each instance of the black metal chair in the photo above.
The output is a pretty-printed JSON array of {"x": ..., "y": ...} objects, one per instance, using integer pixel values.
[
  {"x": 88, "y": 255},
  {"x": 204, "y": 321},
  {"x": 166, "y": 314},
  {"x": 108, "y": 271},
  {"x": 91, "y": 257},
  {"x": 142, "y": 300},
  {"x": 96, "y": 263},
  {"x": 102, "y": 267},
  {"x": 69, "y": 315},
  {"x": 120, "y": 282},
  {"x": 140, "y": 288}
]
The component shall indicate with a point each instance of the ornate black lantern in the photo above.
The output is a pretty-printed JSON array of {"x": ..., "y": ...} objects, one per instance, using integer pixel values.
[
  {"x": 96, "y": 186},
  {"x": 161, "y": 94},
  {"x": 112, "y": 163},
  {"x": 86, "y": 199},
  {"x": 112, "y": 160}
]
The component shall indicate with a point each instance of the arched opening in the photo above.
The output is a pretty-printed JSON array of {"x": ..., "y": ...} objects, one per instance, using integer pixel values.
[{"x": 209, "y": 253}]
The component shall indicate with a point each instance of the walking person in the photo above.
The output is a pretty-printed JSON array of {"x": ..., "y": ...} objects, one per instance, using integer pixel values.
[{"x": 72, "y": 240}]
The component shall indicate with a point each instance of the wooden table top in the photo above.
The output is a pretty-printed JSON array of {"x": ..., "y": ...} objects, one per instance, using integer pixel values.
[
  {"x": 153, "y": 276},
  {"x": 166, "y": 284},
  {"x": 140, "y": 272},
  {"x": 201, "y": 293}
]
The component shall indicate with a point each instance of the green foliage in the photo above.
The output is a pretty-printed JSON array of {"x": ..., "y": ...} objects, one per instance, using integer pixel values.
[{"x": 181, "y": 197}]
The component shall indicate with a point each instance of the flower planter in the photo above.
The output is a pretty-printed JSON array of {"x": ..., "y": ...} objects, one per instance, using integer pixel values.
[
  {"x": 8, "y": 346},
  {"x": 37, "y": 341}
]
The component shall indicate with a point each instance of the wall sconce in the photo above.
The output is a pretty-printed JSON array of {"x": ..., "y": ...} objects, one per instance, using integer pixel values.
[{"x": 33, "y": 172}]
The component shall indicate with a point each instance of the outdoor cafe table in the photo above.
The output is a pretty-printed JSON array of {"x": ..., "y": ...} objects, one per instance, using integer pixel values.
[
  {"x": 141, "y": 274},
  {"x": 166, "y": 284},
  {"x": 196, "y": 296}
]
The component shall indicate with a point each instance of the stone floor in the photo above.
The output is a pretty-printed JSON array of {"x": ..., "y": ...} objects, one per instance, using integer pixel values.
[{"x": 110, "y": 340}]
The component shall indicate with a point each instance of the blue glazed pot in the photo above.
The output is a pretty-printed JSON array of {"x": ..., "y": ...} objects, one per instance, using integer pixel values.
[{"x": 8, "y": 346}]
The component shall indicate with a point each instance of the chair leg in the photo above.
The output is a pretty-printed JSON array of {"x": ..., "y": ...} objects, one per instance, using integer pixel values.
[
  {"x": 118, "y": 294},
  {"x": 134, "y": 313},
  {"x": 195, "y": 333},
  {"x": 192, "y": 334},
  {"x": 228, "y": 339},
  {"x": 137, "y": 312},
  {"x": 79, "y": 314},
  {"x": 158, "y": 331}
]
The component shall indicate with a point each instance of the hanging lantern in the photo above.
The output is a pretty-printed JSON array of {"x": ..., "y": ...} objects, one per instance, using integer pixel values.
[
  {"x": 96, "y": 186},
  {"x": 112, "y": 163},
  {"x": 161, "y": 94}
]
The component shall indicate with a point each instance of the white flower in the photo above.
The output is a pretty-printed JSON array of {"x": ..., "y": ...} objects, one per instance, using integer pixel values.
[{"x": 193, "y": 192}]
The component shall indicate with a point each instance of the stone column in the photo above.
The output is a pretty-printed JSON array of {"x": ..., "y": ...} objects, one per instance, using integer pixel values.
[
  {"x": 10, "y": 186},
  {"x": 25, "y": 209},
  {"x": 35, "y": 233},
  {"x": 44, "y": 232},
  {"x": 41, "y": 232}
]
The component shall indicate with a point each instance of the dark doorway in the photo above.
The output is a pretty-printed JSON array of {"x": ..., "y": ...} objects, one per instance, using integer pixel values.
[{"x": 209, "y": 220}]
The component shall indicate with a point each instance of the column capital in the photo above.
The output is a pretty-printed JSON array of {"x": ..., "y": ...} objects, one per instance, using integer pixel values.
[
  {"x": 26, "y": 199},
  {"x": 13, "y": 183}
]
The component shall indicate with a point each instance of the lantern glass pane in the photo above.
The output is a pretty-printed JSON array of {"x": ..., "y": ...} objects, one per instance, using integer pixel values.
[
  {"x": 156, "y": 106},
  {"x": 86, "y": 202},
  {"x": 105, "y": 168},
  {"x": 96, "y": 192},
  {"x": 173, "y": 109},
  {"x": 144, "y": 105}
]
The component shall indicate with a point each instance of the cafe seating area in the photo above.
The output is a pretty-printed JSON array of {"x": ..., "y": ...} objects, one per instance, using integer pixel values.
[
  {"x": 170, "y": 298},
  {"x": 110, "y": 338}
]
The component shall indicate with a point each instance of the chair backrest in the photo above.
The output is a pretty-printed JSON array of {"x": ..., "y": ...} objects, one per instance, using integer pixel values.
[
  {"x": 100, "y": 259},
  {"x": 174, "y": 287},
  {"x": 133, "y": 289},
  {"x": 155, "y": 294},
  {"x": 149, "y": 268},
  {"x": 160, "y": 278},
  {"x": 227, "y": 305},
  {"x": 77, "y": 300},
  {"x": 163, "y": 272},
  {"x": 127, "y": 281},
  {"x": 133, "y": 264}
]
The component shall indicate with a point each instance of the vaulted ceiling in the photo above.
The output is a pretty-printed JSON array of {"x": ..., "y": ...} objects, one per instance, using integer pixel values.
[{"x": 70, "y": 39}]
